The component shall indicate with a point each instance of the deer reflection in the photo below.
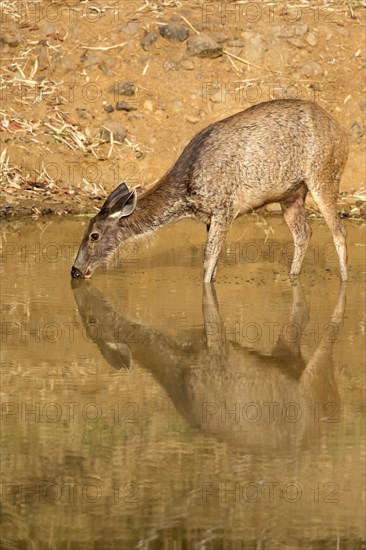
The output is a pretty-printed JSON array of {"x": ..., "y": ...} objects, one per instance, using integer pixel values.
[{"x": 261, "y": 402}]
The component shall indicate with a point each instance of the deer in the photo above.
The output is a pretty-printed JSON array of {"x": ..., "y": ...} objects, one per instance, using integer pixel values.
[
  {"x": 210, "y": 377},
  {"x": 276, "y": 151}
]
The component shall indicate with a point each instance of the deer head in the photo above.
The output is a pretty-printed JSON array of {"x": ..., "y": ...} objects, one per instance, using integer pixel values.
[{"x": 105, "y": 231}]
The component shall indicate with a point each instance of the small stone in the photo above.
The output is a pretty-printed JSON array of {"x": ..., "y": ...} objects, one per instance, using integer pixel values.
[
  {"x": 282, "y": 32},
  {"x": 274, "y": 208},
  {"x": 149, "y": 106},
  {"x": 363, "y": 105},
  {"x": 310, "y": 69},
  {"x": 91, "y": 59},
  {"x": 298, "y": 42},
  {"x": 311, "y": 39},
  {"x": 187, "y": 65},
  {"x": 300, "y": 29},
  {"x": 170, "y": 65},
  {"x": 203, "y": 46},
  {"x": 108, "y": 108},
  {"x": 174, "y": 31},
  {"x": 148, "y": 40},
  {"x": 113, "y": 127},
  {"x": 123, "y": 106},
  {"x": 356, "y": 131},
  {"x": 123, "y": 88},
  {"x": 132, "y": 28}
]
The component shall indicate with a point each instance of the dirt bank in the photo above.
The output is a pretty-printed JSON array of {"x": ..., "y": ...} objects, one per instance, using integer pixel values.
[{"x": 76, "y": 73}]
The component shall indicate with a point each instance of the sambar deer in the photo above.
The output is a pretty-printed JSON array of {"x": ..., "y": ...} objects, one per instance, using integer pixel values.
[{"x": 272, "y": 152}]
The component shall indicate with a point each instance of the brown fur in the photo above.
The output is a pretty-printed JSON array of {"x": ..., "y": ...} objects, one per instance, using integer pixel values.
[{"x": 272, "y": 152}]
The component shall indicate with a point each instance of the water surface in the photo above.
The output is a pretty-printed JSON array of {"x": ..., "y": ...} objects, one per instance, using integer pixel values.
[{"x": 142, "y": 410}]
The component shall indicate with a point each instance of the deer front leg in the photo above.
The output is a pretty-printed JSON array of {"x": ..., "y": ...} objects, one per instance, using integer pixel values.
[{"x": 217, "y": 230}]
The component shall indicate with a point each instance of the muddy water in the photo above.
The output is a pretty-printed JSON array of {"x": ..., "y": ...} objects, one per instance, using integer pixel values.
[{"x": 140, "y": 410}]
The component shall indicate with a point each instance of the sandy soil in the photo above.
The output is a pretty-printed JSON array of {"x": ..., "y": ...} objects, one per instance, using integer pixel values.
[{"x": 66, "y": 66}]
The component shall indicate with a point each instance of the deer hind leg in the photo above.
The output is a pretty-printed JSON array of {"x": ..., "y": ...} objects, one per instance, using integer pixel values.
[
  {"x": 325, "y": 197},
  {"x": 295, "y": 216},
  {"x": 217, "y": 231}
]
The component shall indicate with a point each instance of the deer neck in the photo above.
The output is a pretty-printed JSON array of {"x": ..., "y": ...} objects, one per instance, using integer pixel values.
[{"x": 163, "y": 204}]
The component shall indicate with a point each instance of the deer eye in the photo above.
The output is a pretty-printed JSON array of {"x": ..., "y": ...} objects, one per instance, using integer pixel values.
[{"x": 94, "y": 236}]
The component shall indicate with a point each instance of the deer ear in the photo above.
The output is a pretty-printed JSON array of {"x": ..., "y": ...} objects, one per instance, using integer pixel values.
[
  {"x": 118, "y": 194},
  {"x": 121, "y": 202},
  {"x": 124, "y": 207}
]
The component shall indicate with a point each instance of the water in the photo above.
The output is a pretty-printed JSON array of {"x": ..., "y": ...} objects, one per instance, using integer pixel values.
[{"x": 140, "y": 410}]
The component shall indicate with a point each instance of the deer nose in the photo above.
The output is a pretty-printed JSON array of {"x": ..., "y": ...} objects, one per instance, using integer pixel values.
[{"x": 75, "y": 273}]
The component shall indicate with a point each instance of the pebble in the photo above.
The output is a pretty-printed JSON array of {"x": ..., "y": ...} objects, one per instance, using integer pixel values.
[
  {"x": 123, "y": 106},
  {"x": 108, "y": 108},
  {"x": 202, "y": 45},
  {"x": 296, "y": 41},
  {"x": 119, "y": 132},
  {"x": 274, "y": 207},
  {"x": 300, "y": 29},
  {"x": 174, "y": 31},
  {"x": 123, "y": 88},
  {"x": 187, "y": 65},
  {"x": 310, "y": 69},
  {"x": 171, "y": 65},
  {"x": 148, "y": 40},
  {"x": 282, "y": 32},
  {"x": 149, "y": 106},
  {"x": 132, "y": 28},
  {"x": 356, "y": 131},
  {"x": 311, "y": 39},
  {"x": 91, "y": 59}
]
